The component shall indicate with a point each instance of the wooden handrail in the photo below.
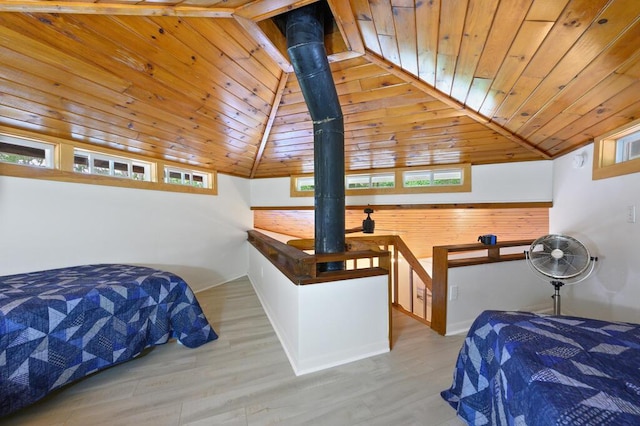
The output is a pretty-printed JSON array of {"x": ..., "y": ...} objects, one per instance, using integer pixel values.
[
  {"x": 399, "y": 244},
  {"x": 293, "y": 263},
  {"x": 302, "y": 268},
  {"x": 413, "y": 262},
  {"x": 374, "y": 242}
]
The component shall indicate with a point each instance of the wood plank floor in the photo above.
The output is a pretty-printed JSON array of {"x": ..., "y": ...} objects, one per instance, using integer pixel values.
[{"x": 244, "y": 378}]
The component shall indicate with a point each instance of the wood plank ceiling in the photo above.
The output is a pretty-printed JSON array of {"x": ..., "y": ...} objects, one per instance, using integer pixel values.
[{"x": 208, "y": 82}]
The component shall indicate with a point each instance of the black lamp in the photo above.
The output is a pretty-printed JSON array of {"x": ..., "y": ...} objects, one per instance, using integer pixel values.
[{"x": 368, "y": 224}]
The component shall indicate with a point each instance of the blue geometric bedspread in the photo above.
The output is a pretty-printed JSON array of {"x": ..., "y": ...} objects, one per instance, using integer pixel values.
[
  {"x": 519, "y": 368},
  {"x": 60, "y": 325}
]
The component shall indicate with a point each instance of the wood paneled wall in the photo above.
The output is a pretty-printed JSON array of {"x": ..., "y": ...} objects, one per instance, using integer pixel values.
[{"x": 422, "y": 229}]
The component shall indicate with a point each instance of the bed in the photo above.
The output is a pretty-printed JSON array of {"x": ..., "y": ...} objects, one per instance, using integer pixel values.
[
  {"x": 519, "y": 368},
  {"x": 60, "y": 325}
]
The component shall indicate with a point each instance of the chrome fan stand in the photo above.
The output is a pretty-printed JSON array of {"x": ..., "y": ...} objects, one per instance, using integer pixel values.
[{"x": 556, "y": 296}]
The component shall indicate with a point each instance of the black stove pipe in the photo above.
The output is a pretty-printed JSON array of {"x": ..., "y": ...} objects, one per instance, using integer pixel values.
[{"x": 305, "y": 44}]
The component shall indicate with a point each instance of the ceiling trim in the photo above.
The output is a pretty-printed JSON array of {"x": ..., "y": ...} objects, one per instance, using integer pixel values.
[
  {"x": 449, "y": 101},
  {"x": 272, "y": 116},
  {"x": 88, "y": 8}
]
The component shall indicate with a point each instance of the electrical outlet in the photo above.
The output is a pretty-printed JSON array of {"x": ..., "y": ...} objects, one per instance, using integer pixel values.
[
  {"x": 453, "y": 292},
  {"x": 631, "y": 214}
]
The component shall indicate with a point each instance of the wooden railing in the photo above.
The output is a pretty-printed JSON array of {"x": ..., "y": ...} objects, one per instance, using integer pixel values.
[
  {"x": 442, "y": 262},
  {"x": 303, "y": 268},
  {"x": 395, "y": 245}
]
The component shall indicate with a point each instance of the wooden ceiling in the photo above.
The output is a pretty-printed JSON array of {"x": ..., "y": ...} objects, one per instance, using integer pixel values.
[{"x": 208, "y": 82}]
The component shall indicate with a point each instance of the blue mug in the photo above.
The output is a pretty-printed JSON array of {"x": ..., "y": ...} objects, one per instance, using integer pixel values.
[{"x": 488, "y": 239}]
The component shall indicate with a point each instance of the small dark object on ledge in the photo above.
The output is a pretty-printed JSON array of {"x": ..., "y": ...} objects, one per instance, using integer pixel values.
[{"x": 488, "y": 239}]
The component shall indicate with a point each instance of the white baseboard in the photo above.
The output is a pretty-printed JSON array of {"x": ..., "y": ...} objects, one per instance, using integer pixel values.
[{"x": 336, "y": 359}]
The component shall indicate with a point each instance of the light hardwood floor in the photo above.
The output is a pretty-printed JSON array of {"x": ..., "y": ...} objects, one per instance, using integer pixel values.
[{"x": 244, "y": 378}]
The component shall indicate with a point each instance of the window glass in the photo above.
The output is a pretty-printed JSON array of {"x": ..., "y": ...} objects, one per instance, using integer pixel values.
[
  {"x": 121, "y": 169},
  {"x": 305, "y": 183},
  {"x": 81, "y": 163},
  {"x": 423, "y": 178},
  {"x": 416, "y": 179},
  {"x": 198, "y": 180},
  {"x": 175, "y": 177},
  {"x": 100, "y": 167},
  {"x": 358, "y": 181},
  {"x": 140, "y": 172},
  {"x": 383, "y": 180},
  {"x": 25, "y": 152},
  {"x": 628, "y": 147},
  {"x": 447, "y": 177}
]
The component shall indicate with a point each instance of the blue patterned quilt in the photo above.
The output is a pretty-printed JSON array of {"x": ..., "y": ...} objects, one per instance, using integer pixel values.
[
  {"x": 519, "y": 368},
  {"x": 60, "y": 325}
]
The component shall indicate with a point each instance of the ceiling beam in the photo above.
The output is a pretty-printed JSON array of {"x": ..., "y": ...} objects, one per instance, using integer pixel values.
[
  {"x": 272, "y": 116},
  {"x": 263, "y": 9},
  {"x": 88, "y": 8},
  {"x": 449, "y": 101},
  {"x": 248, "y": 16},
  {"x": 264, "y": 42},
  {"x": 343, "y": 14}
]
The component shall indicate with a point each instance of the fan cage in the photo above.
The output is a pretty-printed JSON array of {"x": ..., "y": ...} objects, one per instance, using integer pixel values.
[
  {"x": 562, "y": 259},
  {"x": 559, "y": 257}
]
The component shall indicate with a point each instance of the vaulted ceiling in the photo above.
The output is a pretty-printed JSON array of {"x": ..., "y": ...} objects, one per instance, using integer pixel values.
[{"x": 209, "y": 83}]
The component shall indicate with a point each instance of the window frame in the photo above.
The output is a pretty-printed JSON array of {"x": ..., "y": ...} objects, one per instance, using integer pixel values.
[
  {"x": 112, "y": 159},
  {"x": 301, "y": 181},
  {"x": 398, "y": 188},
  {"x": 63, "y": 166},
  {"x": 604, "y": 153},
  {"x": 183, "y": 171},
  {"x": 433, "y": 177},
  {"x": 369, "y": 177}
]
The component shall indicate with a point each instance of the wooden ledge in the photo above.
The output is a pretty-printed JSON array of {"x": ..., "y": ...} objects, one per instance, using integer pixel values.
[
  {"x": 495, "y": 205},
  {"x": 480, "y": 246},
  {"x": 302, "y": 268}
]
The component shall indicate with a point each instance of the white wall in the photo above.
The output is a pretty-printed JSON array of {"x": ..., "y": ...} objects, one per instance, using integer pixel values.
[
  {"x": 503, "y": 286},
  {"x": 279, "y": 299},
  {"x": 509, "y": 182},
  {"x": 323, "y": 325},
  {"x": 594, "y": 212},
  {"x": 46, "y": 224}
]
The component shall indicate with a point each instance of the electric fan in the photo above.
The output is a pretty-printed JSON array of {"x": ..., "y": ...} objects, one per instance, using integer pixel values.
[{"x": 562, "y": 259}]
